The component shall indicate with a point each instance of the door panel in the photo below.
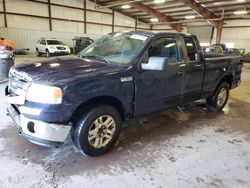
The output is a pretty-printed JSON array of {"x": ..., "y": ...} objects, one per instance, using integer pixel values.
[
  {"x": 157, "y": 90},
  {"x": 193, "y": 71}
]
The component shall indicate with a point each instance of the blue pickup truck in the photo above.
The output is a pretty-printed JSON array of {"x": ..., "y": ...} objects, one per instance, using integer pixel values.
[{"x": 120, "y": 76}]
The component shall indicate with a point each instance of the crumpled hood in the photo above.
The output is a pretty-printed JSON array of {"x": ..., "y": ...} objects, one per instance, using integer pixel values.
[{"x": 66, "y": 69}]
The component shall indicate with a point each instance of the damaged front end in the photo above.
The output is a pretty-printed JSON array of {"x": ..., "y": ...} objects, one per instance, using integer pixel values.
[{"x": 35, "y": 130}]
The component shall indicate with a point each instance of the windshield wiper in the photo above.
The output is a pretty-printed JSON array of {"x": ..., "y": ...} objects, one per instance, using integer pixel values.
[{"x": 99, "y": 57}]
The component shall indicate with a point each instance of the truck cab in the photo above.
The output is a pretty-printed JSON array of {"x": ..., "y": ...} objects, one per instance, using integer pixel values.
[{"x": 119, "y": 76}]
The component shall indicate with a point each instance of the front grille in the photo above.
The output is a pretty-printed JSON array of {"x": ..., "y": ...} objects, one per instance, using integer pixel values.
[
  {"x": 18, "y": 82},
  {"x": 60, "y": 48}
]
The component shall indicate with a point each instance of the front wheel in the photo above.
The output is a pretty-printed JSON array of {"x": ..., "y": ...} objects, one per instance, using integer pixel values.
[
  {"x": 38, "y": 54},
  {"x": 219, "y": 99},
  {"x": 47, "y": 53},
  {"x": 96, "y": 130}
]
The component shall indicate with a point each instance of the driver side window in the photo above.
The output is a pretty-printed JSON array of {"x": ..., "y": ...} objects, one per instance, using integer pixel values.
[{"x": 164, "y": 47}]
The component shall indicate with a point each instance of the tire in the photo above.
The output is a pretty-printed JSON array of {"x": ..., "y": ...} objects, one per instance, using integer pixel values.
[
  {"x": 47, "y": 53},
  {"x": 38, "y": 54},
  {"x": 91, "y": 136},
  {"x": 218, "y": 100}
]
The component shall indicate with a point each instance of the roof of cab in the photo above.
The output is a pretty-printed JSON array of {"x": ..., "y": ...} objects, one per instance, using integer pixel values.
[{"x": 155, "y": 33}]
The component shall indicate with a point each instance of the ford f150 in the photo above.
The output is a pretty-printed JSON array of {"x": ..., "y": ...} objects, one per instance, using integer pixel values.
[{"x": 119, "y": 76}]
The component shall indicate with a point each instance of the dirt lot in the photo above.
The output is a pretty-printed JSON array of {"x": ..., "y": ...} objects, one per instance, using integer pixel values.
[{"x": 193, "y": 148}]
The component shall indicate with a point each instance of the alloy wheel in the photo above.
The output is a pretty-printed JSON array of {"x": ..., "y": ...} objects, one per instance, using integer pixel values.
[
  {"x": 101, "y": 131},
  {"x": 222, "y": 97}
]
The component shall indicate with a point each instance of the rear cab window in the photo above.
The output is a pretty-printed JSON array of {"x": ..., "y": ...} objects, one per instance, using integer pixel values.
[{"x": 191, "y": 49}]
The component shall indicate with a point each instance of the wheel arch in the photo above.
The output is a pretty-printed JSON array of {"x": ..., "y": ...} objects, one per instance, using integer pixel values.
[
  {"x": 212, "y": 100},
  {"x": 101, "y": 100},
  {"x": 226, "y": 78}
]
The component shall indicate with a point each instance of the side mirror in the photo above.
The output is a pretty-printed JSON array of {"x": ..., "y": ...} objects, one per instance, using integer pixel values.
[{"x": 155, "y": 63}]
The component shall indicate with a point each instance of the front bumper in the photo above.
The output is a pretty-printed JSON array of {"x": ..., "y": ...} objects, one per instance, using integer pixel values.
[
  {"x": 39, "y": 132},
  {"x": 58, "y": 52}
]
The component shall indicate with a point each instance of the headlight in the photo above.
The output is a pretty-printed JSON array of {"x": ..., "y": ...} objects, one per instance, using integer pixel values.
[
  {"x": 52, "y": 47},
  {"x": 44, "y": 94}
]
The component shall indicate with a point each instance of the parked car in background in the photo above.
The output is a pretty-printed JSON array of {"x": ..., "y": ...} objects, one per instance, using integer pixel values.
[
  {"x": 119, "y": 76},
  {"x": 235, "y": 51},
  {"x": 246, "y": 57},
  {"x": 51, "y": 46},
  {"x": 222, "y": 46},
  {"x": 213, "y": 50},
  {"x": 81, "y": 43}
]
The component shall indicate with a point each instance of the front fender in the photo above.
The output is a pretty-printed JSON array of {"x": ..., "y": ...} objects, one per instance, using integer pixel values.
[{"x": 106, "y": 86}]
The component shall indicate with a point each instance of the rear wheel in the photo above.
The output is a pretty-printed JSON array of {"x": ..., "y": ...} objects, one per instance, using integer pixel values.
[
  {"x": 96, "y": 130},
  {"x": 219, "y": 99}
]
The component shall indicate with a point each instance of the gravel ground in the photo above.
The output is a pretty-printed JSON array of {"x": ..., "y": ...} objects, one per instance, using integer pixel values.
[{"x": 192, "y": 148}]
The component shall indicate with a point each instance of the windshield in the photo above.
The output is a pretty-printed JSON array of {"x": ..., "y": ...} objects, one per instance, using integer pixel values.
[
  {"x": 119, "y": 48},
  {"x": 54, "y": 42}
]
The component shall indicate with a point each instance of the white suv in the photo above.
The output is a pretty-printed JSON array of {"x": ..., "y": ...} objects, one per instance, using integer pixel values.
[{"x": 51, "y": 46}]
